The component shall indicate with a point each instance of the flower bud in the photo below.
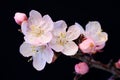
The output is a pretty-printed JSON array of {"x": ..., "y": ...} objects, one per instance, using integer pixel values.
[
  {"x": 87, "y": 46},
  {"x": 20, "y": 17},
  {"x": 117, "y": 64},
  {"x": 81, "y": 68}
]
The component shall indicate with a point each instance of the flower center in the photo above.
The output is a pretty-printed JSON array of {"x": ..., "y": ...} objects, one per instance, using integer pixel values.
[
  {"x": 91, "y": 45},
  {"x": 61, "y": 40},
  {"x": 36, "y": 30},
  {"x": 62, "y": 35},
  {"x": 33, "y": 49},
  {"x": 37, "y": 49}
]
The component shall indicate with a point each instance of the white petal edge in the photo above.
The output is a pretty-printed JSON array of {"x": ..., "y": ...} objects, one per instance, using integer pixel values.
[
  {"x": 48, "y": 24},
  {"x": 100, "y": 46},
  {"x": 70, "y": 49},
  {"x": 59, "y": 27},
  {"x": 38, "y": 62},
  {"x": 93, "y": 27},
  {"x": 101, "y": 38},
  {"x": 26, "y": 50},
  {"x": 74, "y": 32},
  {"x": 48, "y": 54},
  {"x": 35, "y": 18},
  {"x": 82, "y": 31},
  {"x": 24, "y": 27}
]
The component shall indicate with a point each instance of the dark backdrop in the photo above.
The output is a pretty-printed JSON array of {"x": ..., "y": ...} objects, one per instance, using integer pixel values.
[{"x": 15, "y": 67}]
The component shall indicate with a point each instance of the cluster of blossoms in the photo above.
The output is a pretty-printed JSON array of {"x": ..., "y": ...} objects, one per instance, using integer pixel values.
[{"x": 43, "y": 38}]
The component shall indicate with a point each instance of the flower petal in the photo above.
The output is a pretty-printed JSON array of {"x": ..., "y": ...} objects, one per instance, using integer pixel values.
[
  {"x": 70, "y": 48},
  {"x": 35, "y": 18},
  {"x": 26, "y": 50},
  {"x": 38, "y": 40},
  {"x": 38, "y": 62},
  {"x": 87, "y": 46},
  {"x": 74, "y": 32},
  {"x": 48, "y": 54},
  {"x": 32, "y": 40},
  {"x": 100, "y": 46},
  {"x": 82, "y": 31},
  {"x": 59, "y": 27},
  {"x": 101, "y": 38},
  {"x": 48, "y": 23},
  {"x": 93, "y": 27},
  {"x": 45, "y": 38},
  {"x": 54, "y": 45},
  {"x": 24, "y": 27}
]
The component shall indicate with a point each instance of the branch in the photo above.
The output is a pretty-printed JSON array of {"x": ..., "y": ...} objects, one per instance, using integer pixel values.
[{"x": 97, "y": 64}]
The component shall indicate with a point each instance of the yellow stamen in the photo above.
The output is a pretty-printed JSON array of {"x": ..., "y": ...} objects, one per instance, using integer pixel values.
[
  {"x": 33, "y": 49},
  {"x": 61, "y": 40},
  {"x": 62, "y": 35},
  {"x": 36, "y": 31}
]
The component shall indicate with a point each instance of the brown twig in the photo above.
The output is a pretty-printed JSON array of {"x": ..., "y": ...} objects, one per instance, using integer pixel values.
[{"x": 97, "y": 64}]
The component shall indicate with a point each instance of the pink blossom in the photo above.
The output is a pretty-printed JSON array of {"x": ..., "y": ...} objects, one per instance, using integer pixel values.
[
  {"x": 20, "y": 17},
  {"x": 95, "y": 38},
  {"x": 117, "y": 64},
  {"x": 87, "y": 46},
  {"x": 37, "y": 29},
  {"x": 81, "y": 68}
]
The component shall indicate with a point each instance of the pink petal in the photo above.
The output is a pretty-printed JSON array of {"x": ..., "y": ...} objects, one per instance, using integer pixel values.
[
  {"x": 87, "y": 46},
  {"x": 99, "y": 47}
]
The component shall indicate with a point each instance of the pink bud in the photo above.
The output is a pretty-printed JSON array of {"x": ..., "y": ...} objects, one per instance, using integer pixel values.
[
  {"x": 117, "y": 64},
  {"x": 87, "y": 46},
  {"x": 20, "y": 17},
  {"x": 81, "y": 68}
]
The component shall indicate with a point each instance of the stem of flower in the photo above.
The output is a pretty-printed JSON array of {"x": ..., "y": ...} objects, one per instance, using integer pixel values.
[
  {"x": 77, "y": 76},
  {"x": 96, "y": 64}
]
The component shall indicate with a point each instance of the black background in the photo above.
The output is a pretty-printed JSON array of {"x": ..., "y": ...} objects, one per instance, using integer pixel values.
[{"x": 15, "y": 67}]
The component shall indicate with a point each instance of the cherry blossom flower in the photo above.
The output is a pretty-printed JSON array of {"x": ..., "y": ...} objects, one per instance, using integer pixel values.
[
  {"x": 117, "y": 64},
  {"x": 37, "y": 29},
  {"x": 95, "y": 39},
  {"x": 40, "y": 54},
  {"x": 87, "y": 46},
  {"x": 20, "y": 17},
  {"x": 62, "y": 41},
  {"x": 81, "y": 68}
]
